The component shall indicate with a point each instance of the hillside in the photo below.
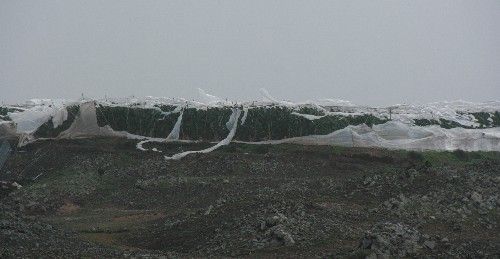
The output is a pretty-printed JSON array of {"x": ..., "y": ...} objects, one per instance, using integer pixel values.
[{"x": 104, "y": 198}]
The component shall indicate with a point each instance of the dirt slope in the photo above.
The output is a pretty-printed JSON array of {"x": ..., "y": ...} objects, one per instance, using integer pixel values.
[{"x": 104, "y": 198}]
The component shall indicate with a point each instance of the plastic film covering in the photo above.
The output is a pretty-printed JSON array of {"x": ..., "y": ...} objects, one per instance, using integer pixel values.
[
  {"x": 397, "y": 135},
  {"x": 233, "y": 119},
  {"x": 174, "y": 134},
  {"x": 436, "y": 126}
]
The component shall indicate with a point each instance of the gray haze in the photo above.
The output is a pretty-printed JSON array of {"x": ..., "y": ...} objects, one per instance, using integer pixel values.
[{"x": 369, "y": 52}]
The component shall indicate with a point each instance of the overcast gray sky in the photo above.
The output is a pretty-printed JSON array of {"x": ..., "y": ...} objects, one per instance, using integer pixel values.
[{"x": 369, "y": 52}]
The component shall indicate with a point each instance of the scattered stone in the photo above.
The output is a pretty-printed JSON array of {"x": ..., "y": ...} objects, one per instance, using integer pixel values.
[
  {"x": 476, "y": 197},
  {"x": 366, "y": 242},
  {"x": 393, "y": 239},
  {"x": 253, "y": 216},
  {"x": 7, "y": 185},
  {"x": 430, "y": 244},
  {"x": 275, "y": 219},
  {"x": 279, "y": 233},
  {"x": 207, "y": 212}
]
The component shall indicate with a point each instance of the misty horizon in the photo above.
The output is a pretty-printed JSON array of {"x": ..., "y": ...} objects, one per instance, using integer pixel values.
[{"x": 369, "y": 53}]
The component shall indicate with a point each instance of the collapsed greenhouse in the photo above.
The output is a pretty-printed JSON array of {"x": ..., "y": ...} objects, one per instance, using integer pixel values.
[{"x": 437, "y": 126}]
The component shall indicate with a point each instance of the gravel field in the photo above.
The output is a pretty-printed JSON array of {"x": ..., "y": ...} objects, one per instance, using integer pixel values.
[{"x": 103, "y": 198}]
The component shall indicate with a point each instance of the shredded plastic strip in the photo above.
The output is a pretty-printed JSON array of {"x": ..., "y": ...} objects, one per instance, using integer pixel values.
[
  {"x": 234, "y": 119},
  {"x": 245, "y": 114},
  {"x": 174, "y": 134}
]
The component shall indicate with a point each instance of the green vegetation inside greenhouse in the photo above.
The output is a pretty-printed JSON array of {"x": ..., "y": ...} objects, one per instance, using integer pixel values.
[
  {"x": 140, "y": 121},
  {"x": 484, "y": 119},
  {"x": 311, "y": 111},
  {"x": 47, "y": 129},
  {"x": 265, "y": 123},
  {"x": 4, "y": 112},
  {"x": 496, "y": 119},
  {"x": 425, "y": 122},
  {"x": 262, "y": 122}
]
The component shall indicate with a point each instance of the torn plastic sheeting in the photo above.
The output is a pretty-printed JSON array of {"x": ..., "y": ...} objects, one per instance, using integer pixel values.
[
  {"x": 245, "y": 114},
  {"x": 234, "y": 118},
  {"x": 208, "y": 98},
  {"x": 174, "y": 134},
  {"x": 456, "y": 111},
  {"x": 140, "y": 144},
  {"x": 30, "y": 120},
  {"x": 416, "y": 138},
  {"x": 85, "y": 124},
  {"x": 393, "y": 135},
  {"x": 60, "y": 116},
  {"x": 268, "y": 96},
  {"x": 308, "y": 116},
  {"x": 176, "y": 110}
]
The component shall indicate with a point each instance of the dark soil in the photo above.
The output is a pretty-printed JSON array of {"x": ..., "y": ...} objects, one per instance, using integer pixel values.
[{"x": 104, "y": 198}]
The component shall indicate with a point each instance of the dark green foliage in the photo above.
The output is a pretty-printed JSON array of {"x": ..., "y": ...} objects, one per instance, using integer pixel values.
[
  {"x": 136, "y": 120},
  {"x": 443, "y": 123},
  {"x": 262, "y": 123},
  {"x": 496, "y": 119},
  {"x": 208, "y": 125},
  {"x": 4, "y": 111},
  {"x": 447, "y": 124},
  {"x": 310, "y": 110},
  {"x": 277, "y": 122},
  {"x": 482, "y": 119},
  {"x": 5, "y": 117},
  {"x": 425, "y": 122},
  {"x": 329, "y": 124},
  {"x": 47, "y": 129},
  {"x": 166, "y": 108},
  {"x": 197, "y": 124}
]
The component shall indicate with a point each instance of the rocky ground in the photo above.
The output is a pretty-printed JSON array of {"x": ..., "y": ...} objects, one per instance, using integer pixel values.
[{"x": 104, "y": 198}]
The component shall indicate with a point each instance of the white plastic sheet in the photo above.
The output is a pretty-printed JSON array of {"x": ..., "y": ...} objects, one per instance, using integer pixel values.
[
  {"x": 245, "y": 114},
  {"x": 397, "y": 135},
  {"x": 85, "y": 124},
  {"x": 174, "y": 134},
  {"x": 234, "y": 119},
  {"x": 30, "y": 120}
]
